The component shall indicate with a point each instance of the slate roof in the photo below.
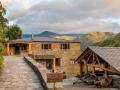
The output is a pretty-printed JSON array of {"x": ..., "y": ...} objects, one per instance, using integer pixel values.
[
  {"x": 44, "y": 39},
  {"x": 110, "y": 54}
]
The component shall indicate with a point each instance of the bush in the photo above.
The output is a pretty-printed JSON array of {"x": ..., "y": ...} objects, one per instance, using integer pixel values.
[
  {"x": 1, "y": 62},
  {"x": 1, "y": 57},
  {"x": 1, "y": 48}
]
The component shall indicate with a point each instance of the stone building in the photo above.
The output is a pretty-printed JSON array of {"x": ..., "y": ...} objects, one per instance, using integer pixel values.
[{"x": 51, "y": 52}]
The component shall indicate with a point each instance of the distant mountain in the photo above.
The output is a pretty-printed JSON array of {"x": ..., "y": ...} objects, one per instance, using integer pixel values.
[
  {"x": 56, "y": 35},
  {"x": 75, "y": 35},
  {"x": 26, "y": 35},
  {"x": 47, "y": 33}
]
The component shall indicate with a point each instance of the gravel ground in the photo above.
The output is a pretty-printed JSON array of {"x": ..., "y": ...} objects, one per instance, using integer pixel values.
[
  {"x": 68, "y": 85},
  {"x": 73, "y": 87}
]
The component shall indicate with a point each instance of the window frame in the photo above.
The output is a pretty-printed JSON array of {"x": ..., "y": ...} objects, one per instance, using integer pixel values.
[
  {"x": 65, "y": 46},
  {"x": 46, "y": 46}
]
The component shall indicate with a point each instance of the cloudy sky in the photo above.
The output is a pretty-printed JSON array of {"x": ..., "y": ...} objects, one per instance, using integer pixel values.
[{"x": 64, "y": 16}]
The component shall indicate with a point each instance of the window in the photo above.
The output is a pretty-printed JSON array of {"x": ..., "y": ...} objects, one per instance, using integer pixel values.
[
  {"x": 65, "y": 46},
  {"x": 58, "y": 62},
  {"x": 49, "y": 64},
  {"x": 46, "y": 46},
  {"x": 72, "y": 61}
]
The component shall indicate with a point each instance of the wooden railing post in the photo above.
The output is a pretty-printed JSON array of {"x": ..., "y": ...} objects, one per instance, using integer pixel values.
[
  {"x": 29, "y": 48},
  {"x": 8, "y": 49},
  {"x": 53, "y": 65}
]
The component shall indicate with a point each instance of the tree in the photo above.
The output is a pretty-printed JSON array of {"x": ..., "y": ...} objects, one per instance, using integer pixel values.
[
  {"x": 3, "y": 22},
  {"x": 14, "y": 32}
]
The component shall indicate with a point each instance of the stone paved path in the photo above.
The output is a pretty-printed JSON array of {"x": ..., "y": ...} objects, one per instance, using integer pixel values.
[{"x": 17, "y": 75}]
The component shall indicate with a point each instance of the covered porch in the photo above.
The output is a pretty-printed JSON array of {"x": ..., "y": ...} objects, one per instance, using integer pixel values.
[{"x": 17, "y": 48}]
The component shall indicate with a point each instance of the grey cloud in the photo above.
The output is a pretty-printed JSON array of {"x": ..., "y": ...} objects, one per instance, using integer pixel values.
[{"x": 68, "y": 16}]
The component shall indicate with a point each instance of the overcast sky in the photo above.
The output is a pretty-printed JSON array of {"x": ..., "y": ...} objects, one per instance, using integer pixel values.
[{"x": 64, "y": 16}]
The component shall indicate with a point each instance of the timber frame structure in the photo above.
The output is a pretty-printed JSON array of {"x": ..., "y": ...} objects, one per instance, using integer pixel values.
[{"x": 100, "y": 60}]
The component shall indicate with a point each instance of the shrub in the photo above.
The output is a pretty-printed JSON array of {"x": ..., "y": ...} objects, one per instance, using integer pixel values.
[{"x": 1, "y": 62}]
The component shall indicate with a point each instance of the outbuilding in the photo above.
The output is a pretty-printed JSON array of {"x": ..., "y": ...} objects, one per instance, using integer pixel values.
[{"x": 100, "y": 61}]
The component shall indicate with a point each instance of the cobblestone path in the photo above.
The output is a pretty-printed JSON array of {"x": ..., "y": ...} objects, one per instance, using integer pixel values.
[{"x": 17, "y": 75}]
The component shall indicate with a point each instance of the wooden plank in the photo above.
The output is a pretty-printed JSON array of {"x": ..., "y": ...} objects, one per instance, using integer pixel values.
[{"x": 54, "y": 77}]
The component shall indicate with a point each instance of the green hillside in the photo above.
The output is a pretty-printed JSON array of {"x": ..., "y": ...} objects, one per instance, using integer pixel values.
[
  {"x": 92, "y": 38},
  {"x": 111, "y": 42}
]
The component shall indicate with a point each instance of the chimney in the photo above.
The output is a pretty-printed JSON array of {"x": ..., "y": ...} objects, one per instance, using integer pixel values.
[{"x": 32, "y": 36}]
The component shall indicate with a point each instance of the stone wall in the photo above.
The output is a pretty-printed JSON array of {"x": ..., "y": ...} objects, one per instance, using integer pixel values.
[
  {"x": 116, "y": 82},
  {"x": 39, "y": 70},
  {"x": 66, "y": 56}
]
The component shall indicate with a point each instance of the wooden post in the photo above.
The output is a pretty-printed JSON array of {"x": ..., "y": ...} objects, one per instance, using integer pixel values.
[
  {"x": 54, "y": 70},
  {"x": 93, "y": 62},
  {"x": 93, "y": 70},
  {"x": 8, "y": 49},
  {"x": 81, "y": 71},
  {"x": 106, "y": 74},
  {"x": 53, "y": 65},
  {"x": 86, "y": 69},
  {"x": 29, "y": 48},
  {"x": 20, "y": 51}
]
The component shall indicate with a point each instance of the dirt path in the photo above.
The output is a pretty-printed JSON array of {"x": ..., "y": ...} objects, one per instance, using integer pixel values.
[{"x": 17, "y": 75}]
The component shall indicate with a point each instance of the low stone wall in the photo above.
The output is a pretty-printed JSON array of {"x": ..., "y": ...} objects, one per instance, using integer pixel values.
[{"x": 39, "y": 70}]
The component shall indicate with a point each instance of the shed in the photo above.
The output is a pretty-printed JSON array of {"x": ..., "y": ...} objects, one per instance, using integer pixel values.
[{"x": 100, "y": 59}]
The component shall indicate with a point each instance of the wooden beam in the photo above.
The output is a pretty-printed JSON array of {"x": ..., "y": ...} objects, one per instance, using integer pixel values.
[
  {"x": 101, "y": 67},
  {"x": 89, "y": 57},
  {"x": 19, "y": 42},
  {"x": 97, "y": 59},
  {"x": 82, "y": 56},
  {"x": 93, "y": 59},
  {"x": 93, "y": 62}
]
